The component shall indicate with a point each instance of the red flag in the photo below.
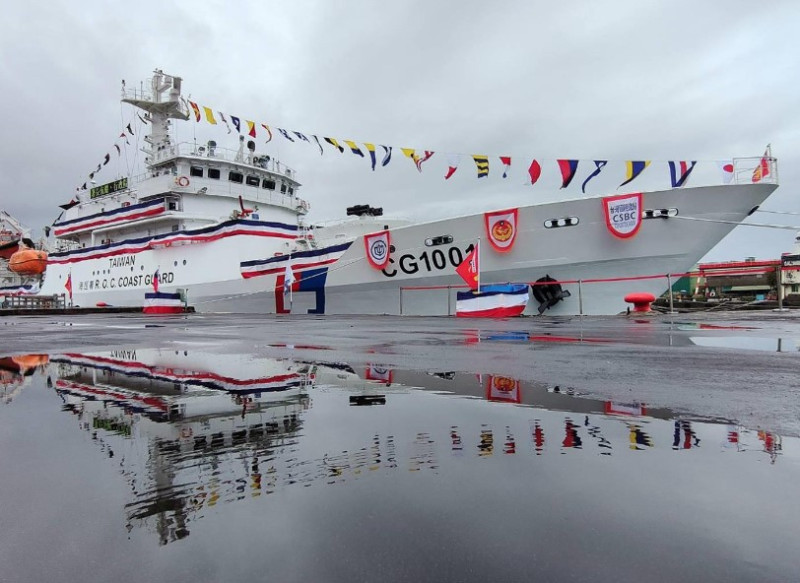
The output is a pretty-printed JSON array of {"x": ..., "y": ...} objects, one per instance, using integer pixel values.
[
  {"x": 469, "y": 269},
  {"x": 452, "y": 165},
  {"x": 68, "y": 285},
  {"x": 568, "y": 168},
  {"x": 535, "y": 171},
  {"x": 196, "y": 110},
  {"x": 762, "y": 170},
  {"x": 506, "y": 161}
]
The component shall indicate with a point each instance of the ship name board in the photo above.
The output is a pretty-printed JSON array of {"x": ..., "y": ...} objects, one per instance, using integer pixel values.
[
  {"x": 123, "y": 281},
  {"x": 108, "y": 188}
]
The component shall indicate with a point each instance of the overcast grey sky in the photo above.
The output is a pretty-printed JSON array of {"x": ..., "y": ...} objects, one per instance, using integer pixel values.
[{"x": 615, "y": 80}]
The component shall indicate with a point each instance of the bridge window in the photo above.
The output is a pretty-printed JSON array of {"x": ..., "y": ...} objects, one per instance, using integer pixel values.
[
  {"x": 236, "y": 177},
  {"x": 196, "y": 171},
  {"x": 283, "y": 188},
  {"x": 268, "y": 184},
  {"x": 252, "y": 181},
  {"x": 213, "y": 173},
  {"x": 291, "y": 191}
]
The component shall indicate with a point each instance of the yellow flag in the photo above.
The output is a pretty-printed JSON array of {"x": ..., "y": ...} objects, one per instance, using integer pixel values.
[{"x": 209, "y": 115}]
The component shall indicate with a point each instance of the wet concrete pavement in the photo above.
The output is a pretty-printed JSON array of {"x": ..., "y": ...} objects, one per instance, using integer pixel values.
[
  {"x": 224, "y": 448},
  {"x": 741, "y": 367}
]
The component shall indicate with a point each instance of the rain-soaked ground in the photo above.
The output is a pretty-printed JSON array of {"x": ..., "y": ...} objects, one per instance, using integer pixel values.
[{"x": 224, "y": 448}]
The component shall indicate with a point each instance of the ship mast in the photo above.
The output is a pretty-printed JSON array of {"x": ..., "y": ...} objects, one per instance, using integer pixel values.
[{"x": 162, "y": 103}]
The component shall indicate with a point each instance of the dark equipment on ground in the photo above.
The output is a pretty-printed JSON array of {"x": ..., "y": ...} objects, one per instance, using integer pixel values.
[{"x": 548, "y": 294}]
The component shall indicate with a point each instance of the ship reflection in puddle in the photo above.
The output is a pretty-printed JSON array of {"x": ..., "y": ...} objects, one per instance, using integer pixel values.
[{"x": 194, "y": 431}]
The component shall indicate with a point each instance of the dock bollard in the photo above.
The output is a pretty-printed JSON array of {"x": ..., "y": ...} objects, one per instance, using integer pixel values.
[{"x": 641, "y": 301}]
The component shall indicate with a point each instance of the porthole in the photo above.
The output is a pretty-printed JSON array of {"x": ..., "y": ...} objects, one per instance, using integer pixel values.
[
  {"x": 659, "y": 213},
  {"x": 184, "y": 262},
  {"x": 439, "y": 240},
  {"x": 562, "y": 222}
]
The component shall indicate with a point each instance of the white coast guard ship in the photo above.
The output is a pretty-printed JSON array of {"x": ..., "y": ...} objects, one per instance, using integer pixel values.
[{"x": 225, "y": 228}]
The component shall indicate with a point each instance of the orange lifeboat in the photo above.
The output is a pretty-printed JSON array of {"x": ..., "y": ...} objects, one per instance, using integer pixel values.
[
  {"x": 28, "y": 262},
  {"x": 27, "y": 362}
]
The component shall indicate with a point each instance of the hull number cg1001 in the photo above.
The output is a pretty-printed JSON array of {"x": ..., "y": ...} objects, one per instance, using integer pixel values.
[{"x": 428, "y": 261}]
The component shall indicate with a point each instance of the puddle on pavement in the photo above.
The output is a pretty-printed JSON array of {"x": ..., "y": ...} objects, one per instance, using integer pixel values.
[
  {"x": 327, "y": 471},
  {"x": 749, "y": 343}
]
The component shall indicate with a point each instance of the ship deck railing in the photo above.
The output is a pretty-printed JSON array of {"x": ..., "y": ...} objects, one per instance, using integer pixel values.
[
  {"x": 215, "y": 153},
  {"x": 744, "y": 170}
]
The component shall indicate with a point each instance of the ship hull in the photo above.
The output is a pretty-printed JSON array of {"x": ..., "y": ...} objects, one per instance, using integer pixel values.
[{"x": 420, "y": 278}]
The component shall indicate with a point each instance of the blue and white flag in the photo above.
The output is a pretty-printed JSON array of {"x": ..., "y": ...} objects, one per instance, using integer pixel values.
[
  {"x": 679, "y": 172},
  {"x": 288, "y": 279}
]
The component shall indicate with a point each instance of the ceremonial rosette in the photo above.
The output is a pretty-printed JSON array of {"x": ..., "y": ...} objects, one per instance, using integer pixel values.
[
  {"x": 623, "y": 214},
  {"x": 377, "y": 247},
  {"x": 501, "y": 229},
  {"x": 503, "y": 389}
]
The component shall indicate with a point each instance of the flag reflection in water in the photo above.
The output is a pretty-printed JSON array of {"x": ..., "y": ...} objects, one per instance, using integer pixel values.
[{"x": 194, "y": 431}]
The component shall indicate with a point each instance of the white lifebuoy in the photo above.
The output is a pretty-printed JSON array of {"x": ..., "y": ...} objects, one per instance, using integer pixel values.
[{"x": 182, "y": 181}]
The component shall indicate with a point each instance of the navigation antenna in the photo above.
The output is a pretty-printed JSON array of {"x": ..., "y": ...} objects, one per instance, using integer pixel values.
[{"x": 162, "y": 102}]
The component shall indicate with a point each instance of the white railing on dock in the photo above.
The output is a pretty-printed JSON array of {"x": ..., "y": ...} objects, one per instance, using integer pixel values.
[
  {"x": 29, "y": 302},
  {"x": 584, "y": 285}
]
